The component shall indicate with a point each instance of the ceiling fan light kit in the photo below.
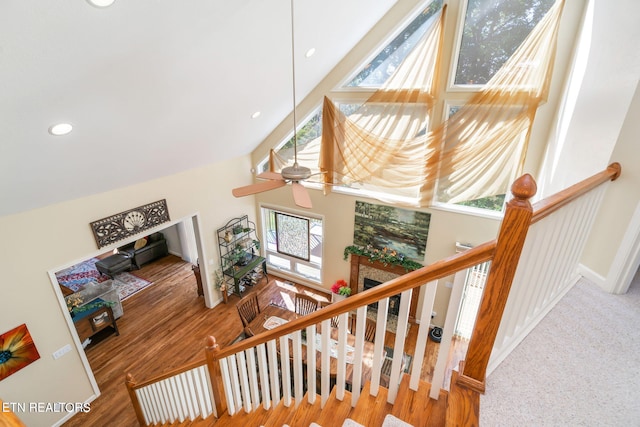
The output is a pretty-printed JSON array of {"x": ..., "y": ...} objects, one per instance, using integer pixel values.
[{"x": 293, "y": 174}]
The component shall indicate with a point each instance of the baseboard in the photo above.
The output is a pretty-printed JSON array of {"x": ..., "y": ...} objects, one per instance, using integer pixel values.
[{"x": 592, "y": 276}]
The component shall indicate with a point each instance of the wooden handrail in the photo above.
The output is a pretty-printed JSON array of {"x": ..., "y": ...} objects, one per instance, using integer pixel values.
[
  {"x": 504, "y": 253},
  {"x": 552, "y": 203},
  {"x": 437, "y": 270},
  {"x": 169, "y": 374}
]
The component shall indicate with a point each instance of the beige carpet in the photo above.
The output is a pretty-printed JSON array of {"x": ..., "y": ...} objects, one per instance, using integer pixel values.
[{"x": 579, "y": 367}]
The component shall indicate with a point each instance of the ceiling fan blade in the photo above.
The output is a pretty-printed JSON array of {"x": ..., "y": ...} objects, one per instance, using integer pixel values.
[
  {"x": 301, "y": 195},
  {"x": 258, "y": 187},
  {"x": 270, "y": 175}
]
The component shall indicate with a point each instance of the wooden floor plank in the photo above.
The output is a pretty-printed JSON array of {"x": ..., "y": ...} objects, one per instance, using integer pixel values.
[{"x": 165, "y": 326}]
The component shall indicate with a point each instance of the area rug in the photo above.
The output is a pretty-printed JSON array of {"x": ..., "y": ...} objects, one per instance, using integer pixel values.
[
  {"x": 129, "y": 284},
  {"x": 392, "y": 320},
  {"x": 76, "y": 276}
]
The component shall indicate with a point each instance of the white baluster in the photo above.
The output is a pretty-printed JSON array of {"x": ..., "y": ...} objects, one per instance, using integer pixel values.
[
  {"x": 226, "y": 384},
  {"x": 285, "y": 369},
  {"x": 311, "y": 363},
  {"x": 342, "y": 353},
  {"x": 250, "y": 355},
  {"x": 356, "y": 379},
  {"x": 298, "y": 379},
  {"x": 423, "y": 332},
  {"x": 445, "y": 343},
  {"x": 273, "y": 371},
  {"x": 325, "y": 362},
  {"x": 264, "y": 376},
  {"x": 398, "y": 347},
  {"x": 378, "y": 346},
  {"x": 244, "y": 381}
]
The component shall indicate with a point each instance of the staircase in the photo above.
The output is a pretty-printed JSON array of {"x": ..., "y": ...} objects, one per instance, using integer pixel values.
[
  {"x": 261, "y": 381},
  {"x": 413, "y": 408}
]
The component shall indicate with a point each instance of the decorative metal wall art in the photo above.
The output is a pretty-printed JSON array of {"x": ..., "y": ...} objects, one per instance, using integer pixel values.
[
  {"x": 292, "y": 234},
  {"x": 17, "y": 350},
  {"x": 124, "y": 224}
]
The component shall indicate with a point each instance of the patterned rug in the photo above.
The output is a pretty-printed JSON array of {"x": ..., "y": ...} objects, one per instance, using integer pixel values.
[
  {"x": 392, "y": 320},
  {"x": 129, "y": 284},
  {"x": 76, "y": 276}
]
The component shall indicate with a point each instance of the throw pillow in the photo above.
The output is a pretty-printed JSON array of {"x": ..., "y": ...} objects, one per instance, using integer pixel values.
[{"x": 139, "y": 244}]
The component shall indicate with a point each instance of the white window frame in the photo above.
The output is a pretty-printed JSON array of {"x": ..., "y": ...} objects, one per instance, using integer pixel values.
[{"x": 295, "y": 264}]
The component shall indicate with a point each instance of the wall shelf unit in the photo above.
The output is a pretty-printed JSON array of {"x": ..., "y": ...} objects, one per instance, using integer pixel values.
[{"x": 241, "y": 263}]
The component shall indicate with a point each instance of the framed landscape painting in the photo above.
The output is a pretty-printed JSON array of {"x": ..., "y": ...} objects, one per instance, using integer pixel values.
[{"x": 380, "y": 226}]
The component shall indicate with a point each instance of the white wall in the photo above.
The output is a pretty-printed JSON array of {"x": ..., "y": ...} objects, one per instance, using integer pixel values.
[
  {"x": 56, "y": 236},
  {"x": 338, "y": 211},
  {"x": 620, "y": 203}
]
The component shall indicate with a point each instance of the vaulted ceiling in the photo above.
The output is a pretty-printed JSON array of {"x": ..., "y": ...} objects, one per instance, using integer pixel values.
[{"x": 152, "y": 87}]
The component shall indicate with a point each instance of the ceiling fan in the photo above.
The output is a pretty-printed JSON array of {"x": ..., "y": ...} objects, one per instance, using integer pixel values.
[{"x": 293, "y": 174}]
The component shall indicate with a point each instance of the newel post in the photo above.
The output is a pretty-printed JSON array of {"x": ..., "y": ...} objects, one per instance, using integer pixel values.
[
  {"x": 511, "y": 238},
  {"x": 217, "y": 388},
  {"x": 130, "y": 383}
]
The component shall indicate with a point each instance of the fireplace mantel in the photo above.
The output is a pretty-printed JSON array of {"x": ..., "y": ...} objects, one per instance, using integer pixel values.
[{"x": 358, "y": 260}]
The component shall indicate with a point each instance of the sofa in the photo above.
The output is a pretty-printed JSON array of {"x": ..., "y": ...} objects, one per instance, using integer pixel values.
[{"x": 145, "y": 250}]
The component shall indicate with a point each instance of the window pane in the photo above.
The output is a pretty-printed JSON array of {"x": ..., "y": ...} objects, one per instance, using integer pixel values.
[
  {"x": 493, "y": 30},
  {"x": 293, "y": 243},
  {"x": 308, "y": 135},
  {"x": 376, "y": 72}
]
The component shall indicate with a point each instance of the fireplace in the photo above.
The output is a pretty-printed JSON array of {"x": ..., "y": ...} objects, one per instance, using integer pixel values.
[
  {"x": 362, "y": 266},
  {"x": 394, "y": 301}
]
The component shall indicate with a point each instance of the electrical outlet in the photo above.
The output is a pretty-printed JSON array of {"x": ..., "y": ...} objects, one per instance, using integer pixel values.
[{"x": 62, "y": 351}]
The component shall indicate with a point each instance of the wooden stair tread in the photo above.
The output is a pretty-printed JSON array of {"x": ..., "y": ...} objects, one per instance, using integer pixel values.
[
  {"x": 416, "y": 407},
  {"x": 371, "y": 410},
  {"x": 335, "y": 411},
  {"x": 279, "y": 415},
  {"x": 254, "y": 418},
  {"x": 306, "y": 413}
]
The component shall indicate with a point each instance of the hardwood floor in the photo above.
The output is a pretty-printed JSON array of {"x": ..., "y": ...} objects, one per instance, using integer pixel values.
[{"x": 165, "y": 326}]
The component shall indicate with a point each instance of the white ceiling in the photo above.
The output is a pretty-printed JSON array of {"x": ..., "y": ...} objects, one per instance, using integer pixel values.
[{"x": 152, "y": 87}]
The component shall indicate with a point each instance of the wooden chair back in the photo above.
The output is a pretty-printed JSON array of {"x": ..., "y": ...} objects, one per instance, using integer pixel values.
[
  {"x": 370, "y": 330},
  {"x": 248, "y": 308},
  {"x": 305, "y": 304}
]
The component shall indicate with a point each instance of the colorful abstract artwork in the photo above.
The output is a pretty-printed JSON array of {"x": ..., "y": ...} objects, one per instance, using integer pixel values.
[{"x": 17, "y": 350}]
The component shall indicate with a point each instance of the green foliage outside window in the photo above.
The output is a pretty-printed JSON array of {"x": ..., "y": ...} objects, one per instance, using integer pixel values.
[{"x": 493, "y": 30}]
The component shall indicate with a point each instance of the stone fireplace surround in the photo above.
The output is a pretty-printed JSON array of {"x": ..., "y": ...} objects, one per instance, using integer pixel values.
[{"x": 362, "y": 267}]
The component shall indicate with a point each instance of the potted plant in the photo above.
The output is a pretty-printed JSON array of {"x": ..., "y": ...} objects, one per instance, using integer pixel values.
[
  {"x": 340, "y": 290},
  {"x": 218, "y": 280}
]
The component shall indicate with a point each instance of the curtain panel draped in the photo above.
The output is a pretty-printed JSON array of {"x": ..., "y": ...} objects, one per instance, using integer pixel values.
[{"x": 476, "y": 153}]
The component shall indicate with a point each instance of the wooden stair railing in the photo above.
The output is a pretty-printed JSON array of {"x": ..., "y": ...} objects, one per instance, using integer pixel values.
[{"x": 232, "y": 372}]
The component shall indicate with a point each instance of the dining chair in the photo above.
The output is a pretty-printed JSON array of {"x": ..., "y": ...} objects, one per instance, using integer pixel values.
[
  {"x": 305, "y": 304},
  {"x": 248, "y": 309},
  {"x": 335, "y": 319},
  {"x": 370, "y": 330}
]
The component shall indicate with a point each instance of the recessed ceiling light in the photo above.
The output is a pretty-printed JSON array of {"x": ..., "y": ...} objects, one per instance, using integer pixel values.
[
  {"x": 256, "y": 115},
  {"x": 100, "y": 3},
  {"x": 310, "y": 52},
  {"x": 60, "y": 129}
]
